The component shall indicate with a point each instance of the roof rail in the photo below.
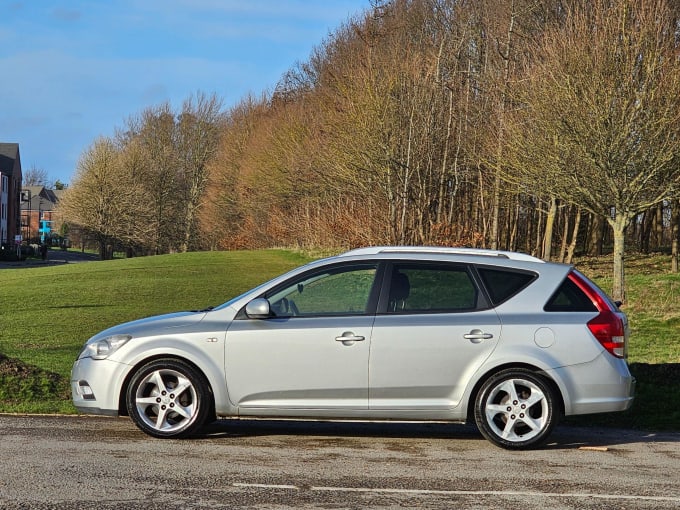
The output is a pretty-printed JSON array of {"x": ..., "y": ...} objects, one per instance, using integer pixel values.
[{"x": 374, "y": 250}]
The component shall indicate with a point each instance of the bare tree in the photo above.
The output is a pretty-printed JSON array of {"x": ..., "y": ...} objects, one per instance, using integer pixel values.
[
  {"x": 599, "y": 123},
  {"x": 228, "y": 201},
  {"x": 174, "y": 151},
  {"x": 198, "y": 134},
  {"x": 104, "y": 198},
  {"x": 35, "y": 176},
  {"x": 151, "y": 136}
]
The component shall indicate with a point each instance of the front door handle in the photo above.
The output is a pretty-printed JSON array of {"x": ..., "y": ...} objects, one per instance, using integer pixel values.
[
  {"x": 477, "y": 335},
  {"x": 348, "y": 338}
]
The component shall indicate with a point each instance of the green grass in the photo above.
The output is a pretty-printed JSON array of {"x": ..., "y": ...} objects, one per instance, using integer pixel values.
[
  {"x": 47, "y": 313},
  {"x": 652, "y": 305},
  {"x": 653, "y": 308}
]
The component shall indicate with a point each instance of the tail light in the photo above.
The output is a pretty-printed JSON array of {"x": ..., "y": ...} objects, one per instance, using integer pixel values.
[{"x": 607, "y": 327}]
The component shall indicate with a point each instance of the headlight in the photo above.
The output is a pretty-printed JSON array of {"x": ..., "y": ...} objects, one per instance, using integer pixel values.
[{"x": 102, "y": 349}]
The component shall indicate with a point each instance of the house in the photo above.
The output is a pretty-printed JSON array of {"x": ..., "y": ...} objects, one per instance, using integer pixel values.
[
  {"x": 38, "y": 220},
  {"x": 10, "y": 193}
]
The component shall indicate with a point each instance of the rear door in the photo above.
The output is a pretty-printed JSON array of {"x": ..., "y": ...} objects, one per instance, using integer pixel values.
[{"x": 434, "y": 329}]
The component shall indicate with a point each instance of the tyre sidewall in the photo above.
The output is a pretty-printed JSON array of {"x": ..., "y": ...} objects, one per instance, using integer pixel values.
[
  {"x": 197, "y": 380},
  {"x": 483, "y": 396}
]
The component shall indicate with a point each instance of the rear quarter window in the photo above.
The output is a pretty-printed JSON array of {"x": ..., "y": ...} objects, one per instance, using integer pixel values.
[
  {"x": 569, "y": 298},
  {"x": 502, "y": 284}
]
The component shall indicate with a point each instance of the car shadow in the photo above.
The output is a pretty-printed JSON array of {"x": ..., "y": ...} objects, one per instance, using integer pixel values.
[
  {"x": 601, "y": 438},
  {"x": 278, "y": 427},
  {"x": 564, "y": 437}
]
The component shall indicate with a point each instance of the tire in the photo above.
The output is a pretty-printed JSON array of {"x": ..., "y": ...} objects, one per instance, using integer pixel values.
[
  {"x": 516, "y": 409},
  {"x": 168, "y": 398}
]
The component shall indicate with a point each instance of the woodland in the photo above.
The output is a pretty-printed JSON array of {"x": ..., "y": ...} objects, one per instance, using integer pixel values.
[{"x": 542, "y": 126}]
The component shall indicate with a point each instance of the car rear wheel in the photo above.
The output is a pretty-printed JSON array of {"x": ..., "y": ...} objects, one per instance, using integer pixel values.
[
  {"x": 516, "y": 409},
  {"x": 168, "y": 398}
]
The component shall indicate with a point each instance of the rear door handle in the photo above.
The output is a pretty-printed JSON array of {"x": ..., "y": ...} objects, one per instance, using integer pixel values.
[
  {"x": 477, "y": 335},
  {"x": 348, "y": 338}
]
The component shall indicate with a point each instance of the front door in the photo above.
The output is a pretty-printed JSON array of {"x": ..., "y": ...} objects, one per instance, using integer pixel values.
[{"x": 313, "y": 352}]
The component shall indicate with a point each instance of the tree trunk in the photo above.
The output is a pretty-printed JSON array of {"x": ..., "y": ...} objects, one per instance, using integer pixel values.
[
  {"x": 619, "y": 224},
  {"x": 482, "y": 205},
  {"x": 658, "y": 228},
  {"x": 514, "y": 223},
  {"x": 596, "y": 235},
  {"x": 646, "y": 231},
  {"x": 539, "y": 228},
  {"x": 675, "y": 234},
  {"x": 392, "y": 202},
  {"x": 549, "y": 224},
  {"x": 496, "y": 208},
  {"x": 501, "y": 119},
  {"x": 574, "y": 237},
  {"x": 102, "y": 249},
  {"x": 565, "y": 233},
  {"x": 443, "y": 174}
]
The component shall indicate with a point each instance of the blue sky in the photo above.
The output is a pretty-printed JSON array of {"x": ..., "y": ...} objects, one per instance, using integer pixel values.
[{"x": 73, "y": 70}]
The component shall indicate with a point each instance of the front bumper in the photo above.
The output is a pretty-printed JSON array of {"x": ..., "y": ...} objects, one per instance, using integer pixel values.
[{"x": 96, "y": 386}]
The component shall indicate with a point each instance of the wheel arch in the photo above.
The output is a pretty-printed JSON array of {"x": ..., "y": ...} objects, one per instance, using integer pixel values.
[
  {"x": 472, "y": 397},
  {"x": 122, "y": 407}
]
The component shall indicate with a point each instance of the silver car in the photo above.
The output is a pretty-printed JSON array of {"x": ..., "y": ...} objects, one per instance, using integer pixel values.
[{"x": 400, "y": 333}]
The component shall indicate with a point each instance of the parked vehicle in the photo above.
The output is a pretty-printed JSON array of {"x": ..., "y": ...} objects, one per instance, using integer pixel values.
[{"x": 397, "y": 333}]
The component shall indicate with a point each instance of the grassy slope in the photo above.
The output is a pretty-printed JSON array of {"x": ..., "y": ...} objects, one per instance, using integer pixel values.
[
  {"x": 653, "y": 309},
  {"x": 652, "y": 304},
  {"x": 47, "y": 313}
]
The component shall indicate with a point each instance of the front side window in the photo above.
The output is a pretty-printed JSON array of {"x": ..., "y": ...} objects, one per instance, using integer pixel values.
[
  {"x": 336, "y": 291},
  {"x": 430, "y": 289}
]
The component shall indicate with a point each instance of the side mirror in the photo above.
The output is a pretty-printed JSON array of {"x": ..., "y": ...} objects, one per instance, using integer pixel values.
[{"x": 258, "y": 309}]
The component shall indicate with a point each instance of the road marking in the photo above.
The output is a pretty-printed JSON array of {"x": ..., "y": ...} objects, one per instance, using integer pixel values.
[
  {"x": 384, "y": 490},
  {"x": 265, "y": 486}
]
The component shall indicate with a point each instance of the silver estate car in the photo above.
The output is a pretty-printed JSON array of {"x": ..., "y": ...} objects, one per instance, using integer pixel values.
[{"x": 504, "y": 339}]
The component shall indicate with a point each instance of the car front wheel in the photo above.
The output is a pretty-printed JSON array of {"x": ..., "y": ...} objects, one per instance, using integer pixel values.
[
  {"x": 168, "y": 398},
  {"x": 516, "y": 409}
]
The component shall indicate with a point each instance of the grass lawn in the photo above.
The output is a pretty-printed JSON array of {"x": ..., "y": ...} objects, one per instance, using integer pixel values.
[{"x": 47, "y": 314}]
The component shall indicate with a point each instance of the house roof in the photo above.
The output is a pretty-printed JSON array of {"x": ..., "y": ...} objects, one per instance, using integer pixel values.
[
  {"x": 41, "y": 198},
  {"x": 9, "y": 153}
]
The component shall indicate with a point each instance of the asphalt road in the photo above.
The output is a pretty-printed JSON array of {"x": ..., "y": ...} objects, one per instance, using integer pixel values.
[
  {"x": 54, "y": 258},
  {"x": 86, "y": 462}
]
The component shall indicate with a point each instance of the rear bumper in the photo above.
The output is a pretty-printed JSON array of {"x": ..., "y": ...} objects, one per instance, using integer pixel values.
[{"x": 604, "y": 385}]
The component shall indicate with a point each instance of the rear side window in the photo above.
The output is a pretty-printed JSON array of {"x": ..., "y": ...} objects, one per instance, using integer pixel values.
[
  {"x": 503, "y": 284},
  {"x": 431, "y": 289},
  {"x": 569, "y": 298}
]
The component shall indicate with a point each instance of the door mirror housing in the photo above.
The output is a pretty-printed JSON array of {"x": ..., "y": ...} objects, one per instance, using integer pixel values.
[{"x": 258, "y": 309}]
